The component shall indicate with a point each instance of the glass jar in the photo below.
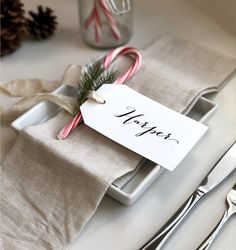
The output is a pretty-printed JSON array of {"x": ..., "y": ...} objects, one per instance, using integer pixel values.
[{"x": 105, "y": 23}]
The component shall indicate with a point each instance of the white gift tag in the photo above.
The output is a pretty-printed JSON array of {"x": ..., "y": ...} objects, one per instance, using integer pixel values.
[{"x": 142, "y": 125}]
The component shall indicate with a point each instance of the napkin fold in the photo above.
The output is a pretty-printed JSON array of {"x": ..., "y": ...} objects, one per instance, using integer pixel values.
[
  {"x": 176, "y": 72},
  {"x": 51, "y": 188}
]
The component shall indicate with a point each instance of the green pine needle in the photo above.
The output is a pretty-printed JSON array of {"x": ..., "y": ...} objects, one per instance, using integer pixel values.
[{"x": 93, "y": 78}]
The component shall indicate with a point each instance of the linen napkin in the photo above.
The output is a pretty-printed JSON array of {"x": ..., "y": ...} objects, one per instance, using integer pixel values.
[{"x": 51, "y": 188}]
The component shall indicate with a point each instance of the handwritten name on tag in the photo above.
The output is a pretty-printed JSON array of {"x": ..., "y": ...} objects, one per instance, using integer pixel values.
[{"x": 142, "y": 125}]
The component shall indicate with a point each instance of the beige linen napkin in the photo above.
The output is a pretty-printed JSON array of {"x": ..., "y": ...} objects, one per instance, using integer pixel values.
[{"x": 51, "y": 188}]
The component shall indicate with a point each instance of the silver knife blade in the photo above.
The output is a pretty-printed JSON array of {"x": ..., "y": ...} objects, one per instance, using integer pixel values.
[{"x": 225, "y": 165}]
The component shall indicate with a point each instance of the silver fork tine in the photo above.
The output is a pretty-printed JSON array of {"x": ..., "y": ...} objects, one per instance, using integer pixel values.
[{"x": 231, "y": 202}]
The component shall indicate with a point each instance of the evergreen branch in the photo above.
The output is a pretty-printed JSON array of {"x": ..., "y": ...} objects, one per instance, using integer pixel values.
[{"x": 93, "y": 78}]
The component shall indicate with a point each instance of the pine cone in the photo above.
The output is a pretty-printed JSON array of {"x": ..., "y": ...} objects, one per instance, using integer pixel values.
[
  {"x": 12, "y": 25},
  {"x": 42, "y": 24}
]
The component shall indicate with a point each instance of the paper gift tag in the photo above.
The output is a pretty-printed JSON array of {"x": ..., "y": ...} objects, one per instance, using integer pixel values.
[{"x": 142, "y": 125}]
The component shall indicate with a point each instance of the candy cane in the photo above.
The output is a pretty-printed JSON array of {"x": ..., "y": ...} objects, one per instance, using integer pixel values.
[
  {"x": 70, "y": 126},
  {"x": 94, "y": 16},
  {"x": 132, "y": 52},
  {"x": 129, "y": 51},
  {"x": 98, "y": 32},
  {"x": 113, "y": 25},
  {"x": 90, "y": 18}
]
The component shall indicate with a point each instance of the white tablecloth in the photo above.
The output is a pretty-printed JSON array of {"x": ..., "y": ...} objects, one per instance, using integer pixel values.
[{"x": 115, "y": 226}]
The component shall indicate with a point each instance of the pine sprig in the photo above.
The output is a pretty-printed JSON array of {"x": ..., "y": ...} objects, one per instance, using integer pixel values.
[{"x": 93, "y": 78}]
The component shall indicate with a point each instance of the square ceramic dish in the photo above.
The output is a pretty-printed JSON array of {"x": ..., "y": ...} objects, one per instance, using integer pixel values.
[{"x": 128, "y": 188}]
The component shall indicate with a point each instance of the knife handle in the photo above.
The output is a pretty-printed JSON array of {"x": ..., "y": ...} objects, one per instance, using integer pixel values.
[
  {"x": 210, "y": 238},
  {"x": 159, "y": 239}
]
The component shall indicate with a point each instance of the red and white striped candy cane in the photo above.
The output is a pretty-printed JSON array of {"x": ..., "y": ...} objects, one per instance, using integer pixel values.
[
  {"x": 98, "y": 30},
  {"x": 111, "y": 21},
  {"x": 131, "y": 52},
  {"x": 96, "y": 17},
  {"x": 102, "y": 6},
  {"x": 111, "y": 56}
]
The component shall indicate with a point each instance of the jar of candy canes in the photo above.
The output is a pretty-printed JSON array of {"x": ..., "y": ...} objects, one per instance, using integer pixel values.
[{"x": 105, "y": 23}]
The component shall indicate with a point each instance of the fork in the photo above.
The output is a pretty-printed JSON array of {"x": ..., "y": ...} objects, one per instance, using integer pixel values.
[{"x": 231, "y": 202}]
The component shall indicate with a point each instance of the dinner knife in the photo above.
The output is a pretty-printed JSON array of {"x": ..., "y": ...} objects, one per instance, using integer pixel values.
[{"x": 223, "y": 167}]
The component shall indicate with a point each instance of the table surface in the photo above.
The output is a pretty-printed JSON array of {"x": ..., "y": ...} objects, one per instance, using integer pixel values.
[{"x": 115, "y": 226}]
